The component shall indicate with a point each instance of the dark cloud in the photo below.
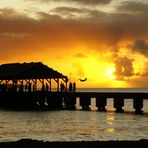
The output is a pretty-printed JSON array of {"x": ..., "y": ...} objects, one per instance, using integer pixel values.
[
  {"x": 141, "y": 46},
  {"x": 68, "y": 9},
  {"x": 124, "y": 68},
  {"x": 87, "y": 2},
  {"x": 80, "y": 55},
  {"x": 133, "y": 6},
  {"x": 22, "y": 34},
  {"x": 75, "y": 13},
  {"x": 95, "y": 13},
  {"x": 92, "y": 1}
]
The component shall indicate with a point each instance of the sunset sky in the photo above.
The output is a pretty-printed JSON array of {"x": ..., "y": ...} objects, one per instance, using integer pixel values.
[{"x": 105, "y": 41}]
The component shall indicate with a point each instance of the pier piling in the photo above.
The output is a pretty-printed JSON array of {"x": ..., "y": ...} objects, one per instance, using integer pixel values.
[
  {"x": 70, "y": 101},
  {"x": 85, "y": 102},
  {"x": 138, "y": 105},
  {"x": 118, "y": 104},
  {"x": 101, "y": 103}
]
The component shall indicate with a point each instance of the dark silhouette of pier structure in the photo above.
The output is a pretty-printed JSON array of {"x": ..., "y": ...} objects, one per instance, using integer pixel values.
[{"x": 19, "y": 83}]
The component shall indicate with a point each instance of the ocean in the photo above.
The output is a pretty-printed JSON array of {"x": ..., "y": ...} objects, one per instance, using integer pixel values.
[{"x": 78, "y": 125}]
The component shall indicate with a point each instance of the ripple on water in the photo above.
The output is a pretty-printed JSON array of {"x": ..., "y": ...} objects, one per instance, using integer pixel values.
[{"x": 72, "y": 126}]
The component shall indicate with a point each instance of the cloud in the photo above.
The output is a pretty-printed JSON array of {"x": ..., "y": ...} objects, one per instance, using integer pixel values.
[
  {"x": 145, "y": 71},
  {"x": 124, "y": 68},
  {"x": 92, "y": 2},
  {"x": 80, "y": 13},
  {"x": 67, "y": 9},
  {"x": 10, "y": 13},
  {"x": 139, "y": 82},
  {"x": 141, "y": 46},
  {"x": 86, "y": 2},
  {"x": 80, "y": 55},
  {"x": 70, "y": 12},
  {"x": 20, "y": 34},
  {"x": 133, "y": 6},
  {"x": 83, "y": 28}
]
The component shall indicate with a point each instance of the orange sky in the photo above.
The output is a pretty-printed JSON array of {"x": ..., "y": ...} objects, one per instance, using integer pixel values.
[{"x": 103, "y": 40}]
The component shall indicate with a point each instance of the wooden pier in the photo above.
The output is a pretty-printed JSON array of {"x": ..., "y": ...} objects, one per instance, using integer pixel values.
[
  {"x": 67, "y": 100},
  {"x": 102, "y": 97}
]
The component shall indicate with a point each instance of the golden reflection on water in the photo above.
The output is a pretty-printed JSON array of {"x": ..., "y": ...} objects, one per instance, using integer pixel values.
[
  {"x": 110, "y": 129},
  {"x": 110, "y": 120}
]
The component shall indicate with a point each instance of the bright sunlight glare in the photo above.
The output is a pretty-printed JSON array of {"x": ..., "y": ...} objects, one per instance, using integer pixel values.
[
  {"x": 110, "y": 73},
  {"x": 98, "y": 70}
]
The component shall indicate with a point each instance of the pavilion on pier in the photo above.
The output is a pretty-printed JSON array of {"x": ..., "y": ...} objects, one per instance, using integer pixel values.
[{"x": 35, "y": 75}]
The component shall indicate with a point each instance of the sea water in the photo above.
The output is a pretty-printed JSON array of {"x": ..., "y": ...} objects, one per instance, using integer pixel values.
[{"x": 64, "y": 125}]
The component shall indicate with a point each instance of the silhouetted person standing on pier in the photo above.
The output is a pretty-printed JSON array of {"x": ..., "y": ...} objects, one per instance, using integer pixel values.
[
  {"x": 43, "y": 87},
  {"x": 62, "y": 87},
  {"x": 47, "y": 87},
  {"x": 70, "y": 87},
  {"x": 34, "y": 87},
  {"x": 14, "y": 85},
  {"x": 74, "y": 87},
  {"x": 21, "y": 88},
  {"x": 26, "y": 87},
  {"x": 29, "y": 87}
]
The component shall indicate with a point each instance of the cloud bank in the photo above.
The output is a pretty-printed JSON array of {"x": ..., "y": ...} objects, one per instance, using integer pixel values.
[{"x": 65, "y": 28}]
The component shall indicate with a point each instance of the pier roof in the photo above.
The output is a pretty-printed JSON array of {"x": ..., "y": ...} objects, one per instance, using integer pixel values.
[{"x": 31, "y": 70}]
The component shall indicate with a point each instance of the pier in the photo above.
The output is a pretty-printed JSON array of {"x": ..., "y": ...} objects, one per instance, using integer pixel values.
[
  {"x": 102, "y": 97},
  {"x": 67, "y": 100},
  {"x": 18, "y": 89}
]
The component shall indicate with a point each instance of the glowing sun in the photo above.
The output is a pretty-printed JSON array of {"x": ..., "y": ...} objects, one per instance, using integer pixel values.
[{"x": 110, "y": 73}]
